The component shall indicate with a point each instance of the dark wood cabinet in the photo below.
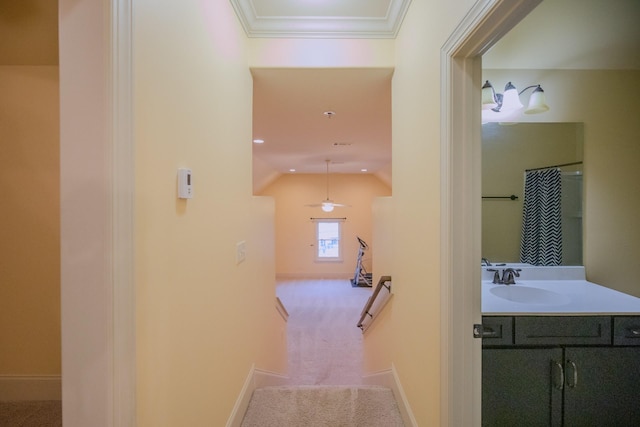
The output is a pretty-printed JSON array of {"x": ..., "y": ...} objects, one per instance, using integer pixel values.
[
  {"x": 518, "y": 387},
  {"x": 604, "y": 389},
  {"x": 561, "y": 371}
]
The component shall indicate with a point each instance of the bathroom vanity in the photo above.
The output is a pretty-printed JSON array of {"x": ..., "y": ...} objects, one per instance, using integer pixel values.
[{"x": 559, "y": 351}]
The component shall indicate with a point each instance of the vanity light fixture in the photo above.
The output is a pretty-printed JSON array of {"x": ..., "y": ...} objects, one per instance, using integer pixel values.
[{"x": 500, "y": 106}]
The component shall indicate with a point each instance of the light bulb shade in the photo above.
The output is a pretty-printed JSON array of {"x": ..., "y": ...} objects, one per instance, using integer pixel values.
[
  {"x": 488, "y": 96},
  {"x": 510, "y": 98},
  {"x": 327, "y": 206},
  {"x": 537, "y": 102}
]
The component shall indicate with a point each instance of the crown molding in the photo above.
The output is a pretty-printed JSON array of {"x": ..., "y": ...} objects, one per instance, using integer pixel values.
[{"x": 320, "y": 27}]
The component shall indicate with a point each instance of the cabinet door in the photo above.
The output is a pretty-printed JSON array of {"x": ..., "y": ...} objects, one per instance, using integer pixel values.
[
  {"x": 604, "y": 389},
  {"x": 521, "y": 387}
]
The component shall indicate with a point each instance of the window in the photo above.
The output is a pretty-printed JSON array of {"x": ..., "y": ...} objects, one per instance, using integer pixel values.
[{"x": 328, "y": 240}]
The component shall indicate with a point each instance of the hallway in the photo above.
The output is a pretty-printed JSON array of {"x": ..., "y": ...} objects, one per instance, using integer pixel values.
[{"x": 324, "y": 343}]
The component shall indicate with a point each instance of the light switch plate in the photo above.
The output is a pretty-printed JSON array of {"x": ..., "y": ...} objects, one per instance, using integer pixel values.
[{"x": 241, "y": 251}]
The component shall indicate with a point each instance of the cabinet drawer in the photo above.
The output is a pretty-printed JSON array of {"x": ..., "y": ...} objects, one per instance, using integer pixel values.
[
  {"x": 563, "y": 330},
  {"x": 497, "y": 330},
  {"x": 626, "y": 330}
]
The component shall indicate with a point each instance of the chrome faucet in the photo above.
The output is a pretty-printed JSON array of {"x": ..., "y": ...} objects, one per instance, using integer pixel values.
[
  {"x": 508, "y": 276},
  {"x": 485, "y": 262}
]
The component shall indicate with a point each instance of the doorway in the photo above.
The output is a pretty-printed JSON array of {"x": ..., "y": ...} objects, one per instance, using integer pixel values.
[{"x": 461, "y": 74}]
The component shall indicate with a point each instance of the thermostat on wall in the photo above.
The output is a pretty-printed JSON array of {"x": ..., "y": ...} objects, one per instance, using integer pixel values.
[{"x": 185, "y": 188}]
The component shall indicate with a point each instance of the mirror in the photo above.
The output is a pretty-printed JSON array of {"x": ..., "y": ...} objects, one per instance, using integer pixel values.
[{"x": 508, "y": 150}]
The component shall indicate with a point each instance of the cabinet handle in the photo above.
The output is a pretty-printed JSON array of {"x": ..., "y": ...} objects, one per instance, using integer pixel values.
[
  {"x": 635, "y": 332},
  {"x": 559, "y": 383},
  {"x": 574, "y": 378},
  {"x": 488, "y": 332}
]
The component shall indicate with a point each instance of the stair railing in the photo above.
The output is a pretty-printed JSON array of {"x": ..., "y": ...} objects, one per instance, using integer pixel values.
[{"x": 375, "y": 303}]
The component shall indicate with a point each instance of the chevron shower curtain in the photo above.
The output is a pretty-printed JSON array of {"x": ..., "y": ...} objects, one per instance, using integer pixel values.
[{"x": 541, "y": 242}]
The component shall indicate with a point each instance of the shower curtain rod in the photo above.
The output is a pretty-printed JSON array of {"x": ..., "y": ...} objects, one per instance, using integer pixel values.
[{"x": 554, "y": 166}]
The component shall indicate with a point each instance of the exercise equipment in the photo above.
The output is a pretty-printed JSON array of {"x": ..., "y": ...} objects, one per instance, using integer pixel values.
[{"x": 361, "y": 277}]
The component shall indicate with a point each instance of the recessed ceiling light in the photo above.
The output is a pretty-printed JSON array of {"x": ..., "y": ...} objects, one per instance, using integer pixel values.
[
  {"x": 329, "y": 113},
  {"x": 363, "y": 170},
  {"x": 292, "y": 170},
  {"x": 258, "y": 141}
]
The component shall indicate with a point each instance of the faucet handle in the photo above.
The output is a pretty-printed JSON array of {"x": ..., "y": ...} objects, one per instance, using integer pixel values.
[{"x": 496, "y": 276}]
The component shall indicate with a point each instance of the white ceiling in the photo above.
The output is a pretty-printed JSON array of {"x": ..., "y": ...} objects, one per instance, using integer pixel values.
[
  {"x": 289, "y": 115},
  {"x": 325, "y": 19}
]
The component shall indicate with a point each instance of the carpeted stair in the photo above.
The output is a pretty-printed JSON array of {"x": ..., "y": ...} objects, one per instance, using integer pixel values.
[{"x": 327, "y": 406}]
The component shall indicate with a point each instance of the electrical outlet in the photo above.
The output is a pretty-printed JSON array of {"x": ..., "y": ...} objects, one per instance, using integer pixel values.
[{"x": 241, "y": 251}]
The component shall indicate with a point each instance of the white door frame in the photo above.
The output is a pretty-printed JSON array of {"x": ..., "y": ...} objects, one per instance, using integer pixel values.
[
  {"x": 97, "y": 282},
  {"x": 123, "y": 212},
  {"x": 461, "y": 71}
]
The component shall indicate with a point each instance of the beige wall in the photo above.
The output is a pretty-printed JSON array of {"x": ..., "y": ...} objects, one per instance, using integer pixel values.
[
  {"x": 507, "y": 151},
  {"x": 173, "y": 126},
  {"x": 301, "y": 52},
  {"x": 412, "y": 339},
  {"x": 202, "y": 320},
  {"x": 378, "y": 354},
  {"x": 607, "y": 103},
  {"x": 295, "y": 232},
  {"x": 30, "y": 218}
]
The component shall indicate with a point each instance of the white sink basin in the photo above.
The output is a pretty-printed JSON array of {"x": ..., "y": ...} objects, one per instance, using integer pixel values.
[
  {"x": 529, "y": 295},
  {"x": 563, "y": 297}
]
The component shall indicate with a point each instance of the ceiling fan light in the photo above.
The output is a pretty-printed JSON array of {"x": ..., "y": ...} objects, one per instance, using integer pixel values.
[
  {"x": 488, "y": 96},
  {"x": 327, "y": 206},
  {"x": 537, "y": 102},
  {"x": 510, "y": 98}
]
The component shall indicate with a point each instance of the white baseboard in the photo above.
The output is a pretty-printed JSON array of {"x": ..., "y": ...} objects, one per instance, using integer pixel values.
[
  {"x": 256, "y": 379},
  {"x": 389, "y": 378},
  {"x": 30, "y": 387}
]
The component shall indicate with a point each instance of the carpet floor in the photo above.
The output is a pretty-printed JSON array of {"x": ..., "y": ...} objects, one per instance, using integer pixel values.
[
  {"x": 31, "y": 414},
  {"x": 325, "y": 364},
  {"x": 322, "y": 406},
  {"x": 324, "y": 343}
]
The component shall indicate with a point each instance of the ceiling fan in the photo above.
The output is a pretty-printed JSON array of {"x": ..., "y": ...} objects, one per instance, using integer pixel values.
[{"x": 327, "y": 205}]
